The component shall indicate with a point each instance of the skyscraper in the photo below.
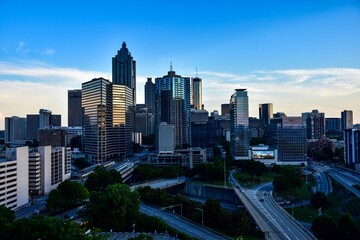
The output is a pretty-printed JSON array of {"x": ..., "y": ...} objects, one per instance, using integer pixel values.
[
  {"x": 44, "y": 118},
  {"x": 288, "y": 135},
  {"x": 97, "y": 128},
  {"x": 122, "y": 119},
  {"x": 196, "y": 90},
  {"x": 239, "y": 124},
  {"x": 124, "y": 73},
  {"x": 346, "y": 119},
  {"x": 172, "y": 96},
  {"x": 150, "y": 95},
  {"x": 314, "y": 123},
  {"x": 32, "y": 126},
  {"x": 124, "y": 69},
  {"x": 74, "y": 108},
  {"x": 352, "y": 147},
  {"x": 265, "y": 112},
  {"x": 15, "y": 129}
]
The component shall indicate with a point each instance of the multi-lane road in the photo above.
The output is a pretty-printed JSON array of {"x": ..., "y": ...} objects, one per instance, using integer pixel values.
[
  {"x": 181, "y": 224},
  {"x": 272, "y": 219}
]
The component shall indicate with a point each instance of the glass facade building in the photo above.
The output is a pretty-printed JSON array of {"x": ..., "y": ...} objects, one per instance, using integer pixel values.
[
  {"x": 196, "y": 90},
  {"x": 265, "y": 112},
  {"x": 314, "y": 122},
  {"x": 74, "y": 108},
  {"x": 172, "y": 97},
  {"x": 288, "y": 136},
  {"x": 97, "y": 129},
  {"x": 239, "y": 124}
]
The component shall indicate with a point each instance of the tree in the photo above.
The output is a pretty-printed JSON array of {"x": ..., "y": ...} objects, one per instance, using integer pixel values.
[
  {"x": 41, "y": 227},
  {"x": 101, "y": 178},
  {"x": 212, "y": 212},
  {"x": 115, "y": 208},
  {"x": 68, "y": 195},
  {"x": 324, "y": 228},
  {"x": 319, "y": 200},
  {"x": 347, "y": 227}
]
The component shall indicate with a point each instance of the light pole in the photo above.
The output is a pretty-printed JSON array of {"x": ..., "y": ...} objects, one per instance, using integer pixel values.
[{"x": 202, "y": 216}]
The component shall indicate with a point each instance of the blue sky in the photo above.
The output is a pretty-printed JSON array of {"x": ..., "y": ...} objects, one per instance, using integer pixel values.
[{"x": 299, "y": 55}]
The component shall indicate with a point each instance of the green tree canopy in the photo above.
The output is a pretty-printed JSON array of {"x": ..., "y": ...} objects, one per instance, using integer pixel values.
[
  {"x": 41, "y": 227},
  {"x": 212, "y": 212},
  {"x": 324, "y": 228},
  {"x": 68, "y": 195},
  {"x": 347, "y": 227},
  {"x": 101, "y": 178},
  {"x": 319, "y": 200},
  {"x": 115, "y": 208}
]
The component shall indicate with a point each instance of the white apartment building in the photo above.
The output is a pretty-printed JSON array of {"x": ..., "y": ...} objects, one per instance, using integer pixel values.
[{"x": 14, "y": 177}]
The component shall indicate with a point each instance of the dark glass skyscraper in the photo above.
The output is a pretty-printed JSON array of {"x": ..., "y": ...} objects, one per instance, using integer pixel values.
[
  {"x": 150, "y": 95},
  {"x": 265, "y": 112},
  {"x": 124, "y": 69},
  {"x": 124, "y": 73},
  {"x": 74, "y": 108},
  {"x": 172, "y": 96},
  {"x": 239, "y": 124},
  {"x": 346, "y": 119},
  {"x": 314, "y": 122}
]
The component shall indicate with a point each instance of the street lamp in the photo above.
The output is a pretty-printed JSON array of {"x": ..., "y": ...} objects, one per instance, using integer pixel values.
[{"x": 202, "y": 215}]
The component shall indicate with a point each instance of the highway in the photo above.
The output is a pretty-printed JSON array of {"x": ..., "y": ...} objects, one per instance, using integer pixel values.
[
  {"x": 272, "y": 219},
  {"x": 323, "y": 183},
  {"x": 346, "y": 178},
  {"x": 181, "y": 224}
]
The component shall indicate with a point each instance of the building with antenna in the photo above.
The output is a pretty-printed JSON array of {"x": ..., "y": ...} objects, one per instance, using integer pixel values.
[{"x": 172, "y": 105}]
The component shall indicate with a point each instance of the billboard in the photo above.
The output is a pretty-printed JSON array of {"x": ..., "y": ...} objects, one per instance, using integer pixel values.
[{"x": 263, "y": 154}]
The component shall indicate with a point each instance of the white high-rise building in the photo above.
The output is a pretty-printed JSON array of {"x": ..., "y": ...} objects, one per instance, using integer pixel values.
[
  {"x": 14, "y": 177},
  {"x": 55, "y": 166}
]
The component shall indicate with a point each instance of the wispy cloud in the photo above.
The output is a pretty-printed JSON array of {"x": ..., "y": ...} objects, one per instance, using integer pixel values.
[
  {"x": 21, "y": 49},
  {"x": 48, "y": 51},
  {"x": 292, "y": 90},
  {"x": 40, "y": 72}
]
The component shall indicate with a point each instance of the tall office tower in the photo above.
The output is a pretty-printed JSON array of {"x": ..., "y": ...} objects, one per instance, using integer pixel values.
[
  {"x": 124, "y": 69},
  {"x": 166, "y": 138},
  {"x": 14, "y": 175},
  {"x": 288, "y": 135},
  {"x": 15, "y": 129},
  {"x": 201, "y": 132},
  {"x": 352, "y": 147},
  {"x": 346, "y": 119},
  {"x": 225, "y": 109},
  {"x": 332, "y": 125},
  {"x": 145, "y": 122},
  {"x": 265, "y": 112},
  {"x": 124, "y": 73},
  {"x": 315, "y": 124},
  {"x": 150, "y": 95},
  {"x": 172, "y": 96},
  {"x": 55, "y": 120},
  {"x": 196, "y": 92},
  {"x": 32, "y": 126},
  {"x": 44, "y": 118},
  {"x": 239, "y": 124},
  {"x": 74, "y": 108},
  {"x": 122, "y": 119},
  {"x": 97, "y": 129}
]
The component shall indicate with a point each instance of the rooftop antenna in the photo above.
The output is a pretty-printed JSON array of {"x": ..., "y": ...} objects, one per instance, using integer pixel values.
[
  {"x": 170, "y": 66},
  {"x": 196, "y": 71}
]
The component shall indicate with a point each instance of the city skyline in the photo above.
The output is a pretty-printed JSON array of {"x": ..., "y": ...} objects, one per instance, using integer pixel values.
[{"x": 299, "y": 57}]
